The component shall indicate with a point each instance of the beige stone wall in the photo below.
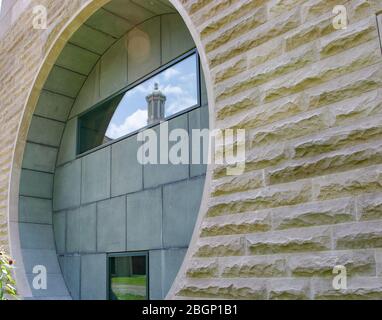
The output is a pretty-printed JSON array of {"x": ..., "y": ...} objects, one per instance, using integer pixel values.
[{"x": 309, "y": 97}]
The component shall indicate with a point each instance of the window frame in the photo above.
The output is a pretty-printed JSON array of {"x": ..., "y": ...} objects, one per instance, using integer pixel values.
[
  {"x": 379, "y": 27},
  {"x": 109, "y": 256},
  {"x": 131, "y": 86}
]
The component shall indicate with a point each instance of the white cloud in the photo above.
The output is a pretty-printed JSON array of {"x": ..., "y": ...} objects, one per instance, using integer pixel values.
[
  {"x": 180, "y": 104},
  {"x": 170, "y": 89},
  {"x": 188, "y": 77},
  {"x": 134, "y": 122},
  {"x": 170, "y": 73}
]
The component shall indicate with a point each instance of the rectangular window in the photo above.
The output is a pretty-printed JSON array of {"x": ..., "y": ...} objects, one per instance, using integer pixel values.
[
  {"x": 171, "y": 90},
  {"x": 128, "y": 277}
]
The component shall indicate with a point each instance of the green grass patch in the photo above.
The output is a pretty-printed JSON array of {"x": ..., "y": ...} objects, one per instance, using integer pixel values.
[{"x": 133, "y": 281}]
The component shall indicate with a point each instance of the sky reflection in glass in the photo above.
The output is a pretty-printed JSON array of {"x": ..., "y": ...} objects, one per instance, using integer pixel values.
[{"x": 178, "y": 83}]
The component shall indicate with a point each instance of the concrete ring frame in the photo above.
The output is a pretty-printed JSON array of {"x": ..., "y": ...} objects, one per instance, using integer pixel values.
[
  {"x": 309, "y": 94},
  {"x": 57, "y": 45}
]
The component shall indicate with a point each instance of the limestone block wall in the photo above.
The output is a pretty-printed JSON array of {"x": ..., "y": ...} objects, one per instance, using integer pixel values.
[{"x": 309, "y": 97}]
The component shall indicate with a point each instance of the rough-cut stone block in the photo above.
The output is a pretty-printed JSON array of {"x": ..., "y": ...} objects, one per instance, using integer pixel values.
[
  {"x": 357, "y": 289},
  {"x": 236, "y": 224},
  {"x": 360, "y": 57},
  {"x": 336, "y": 161},
  {"x": 258, "y": 267},
  {"x": 220, "y": 246},
  {"x": 203, "y": 268},
  {"x": 289, "y": 289},
  {"x": 232, "y": 31},
  {"x": 370, "y": 206},
  {"x": 232, "y": 184},
  {"x": 348, "y": 183},
  {"x": 354, "y": 35},
  {"x": 348, "y": 86},
  {"x": 309, "y": 32},
  {"x": 267, "y": 71},
  {"x": 287, "y": 194},
  {"x": 269, "y": 113},
  {"x": 294, "y": 127},
  {"x": 244, "y": 103},
  {"x": 322, "y": 264},
  {"x": 312, "y": 9},
  {"x": 358, "y": 235},
  {"x": 315, "y": 213},
  {"x": 300, "y": 240},
  {"x": 258, "y": 36},
  {"x": 345, "y": 136},
  {"x": 214, "y": 22},
  {"x": 378, "y": 262},
  {"x": 227, "y": 289}
]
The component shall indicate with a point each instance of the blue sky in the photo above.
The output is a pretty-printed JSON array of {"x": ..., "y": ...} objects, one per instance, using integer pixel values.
[{"x": 178, "y": 83}]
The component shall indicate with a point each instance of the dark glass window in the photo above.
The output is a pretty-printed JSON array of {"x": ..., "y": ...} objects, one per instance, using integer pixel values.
[
  {"x": 172, "y": 90},
  {"x": 128, "y": 277}
]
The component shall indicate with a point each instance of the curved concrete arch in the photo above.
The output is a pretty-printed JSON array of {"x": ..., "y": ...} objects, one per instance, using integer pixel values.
[
  {"x": 310, "y": 97},
  {"x": 48, "y": 63}
]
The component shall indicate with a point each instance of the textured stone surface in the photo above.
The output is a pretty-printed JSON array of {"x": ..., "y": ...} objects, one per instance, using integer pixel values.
[
  {"x": 322, "y": 264},
  {"x": 289, "y": 289},
  {"x": 312, "y": 239},
  {"x": 358, "y": 235},
  {"x": 262, "y": 266},
  {"x": 235, "y": 289},
  {"x": 363, "y": 288},
  {"x": 308, "y": 95},
  {"x": 236, "y": 224},
  {"x": 260, "y": 199}
]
